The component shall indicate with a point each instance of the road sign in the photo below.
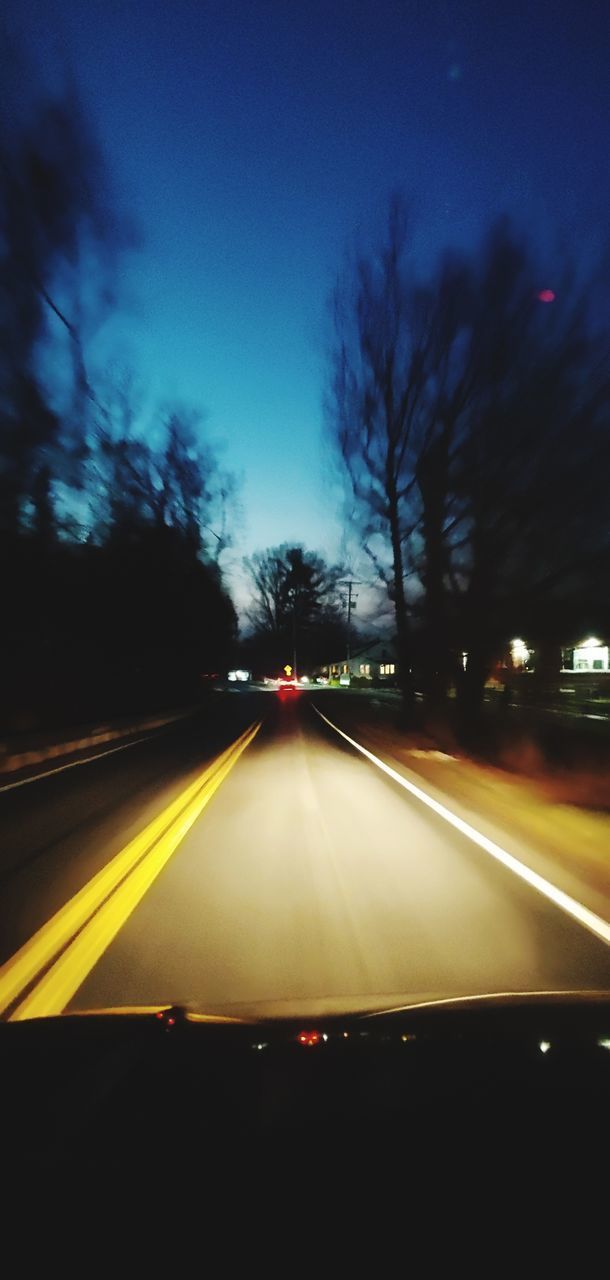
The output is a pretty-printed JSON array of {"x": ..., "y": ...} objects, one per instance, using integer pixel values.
[{"x": 288, "y": 669}]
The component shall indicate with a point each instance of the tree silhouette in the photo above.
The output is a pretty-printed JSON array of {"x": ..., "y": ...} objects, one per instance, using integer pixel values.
[
  {"x": 471, "y": 420},
  {"x": 295, "y": 604}
]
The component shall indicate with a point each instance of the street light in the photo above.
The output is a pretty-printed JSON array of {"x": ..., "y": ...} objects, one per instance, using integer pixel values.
[{"x": 519, "y": 653}]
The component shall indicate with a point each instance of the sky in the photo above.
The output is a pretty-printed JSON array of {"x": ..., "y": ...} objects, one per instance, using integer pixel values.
[{"x": 253, "y": 140}]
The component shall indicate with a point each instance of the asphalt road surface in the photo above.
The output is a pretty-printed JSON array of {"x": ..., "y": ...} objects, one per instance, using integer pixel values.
[{"x": 286, "y": 875}]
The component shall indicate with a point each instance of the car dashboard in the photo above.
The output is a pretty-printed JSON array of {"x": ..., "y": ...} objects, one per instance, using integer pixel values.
[{"x": 126, "y": 1086}]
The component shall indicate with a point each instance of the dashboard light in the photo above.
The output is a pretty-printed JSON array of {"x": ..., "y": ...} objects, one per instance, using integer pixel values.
[{"x": 309, "y": 1037}]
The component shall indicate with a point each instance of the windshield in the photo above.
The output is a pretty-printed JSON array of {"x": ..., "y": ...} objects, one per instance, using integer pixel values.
[{"x": 304, "y": 541}]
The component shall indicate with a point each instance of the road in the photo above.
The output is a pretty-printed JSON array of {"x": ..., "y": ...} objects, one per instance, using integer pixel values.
[{"x": 291, "y": 875}]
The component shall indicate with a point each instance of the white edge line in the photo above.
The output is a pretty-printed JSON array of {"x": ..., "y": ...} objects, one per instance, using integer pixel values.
[
  {"x": 591, "y": 921},
  {"x": 48, "y": 773}
]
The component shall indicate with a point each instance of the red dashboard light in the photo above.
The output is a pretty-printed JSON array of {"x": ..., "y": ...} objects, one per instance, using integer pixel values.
[
  {"x": 166, "y": 1016},
  {"x": 309, "y": 1037}
]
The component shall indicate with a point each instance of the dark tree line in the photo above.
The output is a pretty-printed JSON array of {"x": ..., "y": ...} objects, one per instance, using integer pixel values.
[
  {"x": 470, "y": 411},
  {"x": 112, "y": 594},
  {"x": 296, "y": 610}
]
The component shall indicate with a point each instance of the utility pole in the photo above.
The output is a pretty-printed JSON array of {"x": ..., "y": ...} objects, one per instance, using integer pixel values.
[{"x": 349, "y": 600}]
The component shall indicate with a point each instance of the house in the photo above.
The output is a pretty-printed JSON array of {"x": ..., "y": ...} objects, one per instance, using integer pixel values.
[
  {"x": 590, "y": 655},
  {"x": 375, "y": 660}
]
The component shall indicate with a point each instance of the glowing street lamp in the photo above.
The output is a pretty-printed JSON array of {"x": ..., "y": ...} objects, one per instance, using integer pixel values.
[{"x": 519, "y": 653}]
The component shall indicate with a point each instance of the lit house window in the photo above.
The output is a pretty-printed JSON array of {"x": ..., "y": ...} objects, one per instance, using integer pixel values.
[
  {"x": 387, "y": 668},
  {"x": 365, "y": 668}
]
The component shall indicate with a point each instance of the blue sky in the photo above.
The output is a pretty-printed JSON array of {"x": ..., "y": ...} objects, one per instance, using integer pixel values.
[{"x": 253, "y": 140}]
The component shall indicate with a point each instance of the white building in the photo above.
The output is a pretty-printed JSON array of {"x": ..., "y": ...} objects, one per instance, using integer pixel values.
[
  {"x": 373, "y": 661},
  {"x": 591, "y": 655}
]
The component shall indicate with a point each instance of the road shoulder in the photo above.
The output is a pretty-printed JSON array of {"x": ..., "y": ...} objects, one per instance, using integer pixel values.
[{"x": 567, "y": 845}]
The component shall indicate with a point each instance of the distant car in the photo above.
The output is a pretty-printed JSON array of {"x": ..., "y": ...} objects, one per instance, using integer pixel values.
[{"x": 287, "y": 684}]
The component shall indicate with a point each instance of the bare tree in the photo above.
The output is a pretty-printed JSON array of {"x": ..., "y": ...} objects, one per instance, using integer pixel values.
[
  {"x": 295, "y": 595},
  {"x": 56, "y": 226},
  {"x": 471, "y": 419},
  {"x": 158, "y": 470},
  {"x": 376, "y": 407},
  {"x": 267, "y": 572},
  {"x": 529, "y": 452}
]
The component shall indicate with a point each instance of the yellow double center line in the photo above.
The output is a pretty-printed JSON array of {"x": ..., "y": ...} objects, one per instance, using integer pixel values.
[{"x": 57, "y": 959}]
